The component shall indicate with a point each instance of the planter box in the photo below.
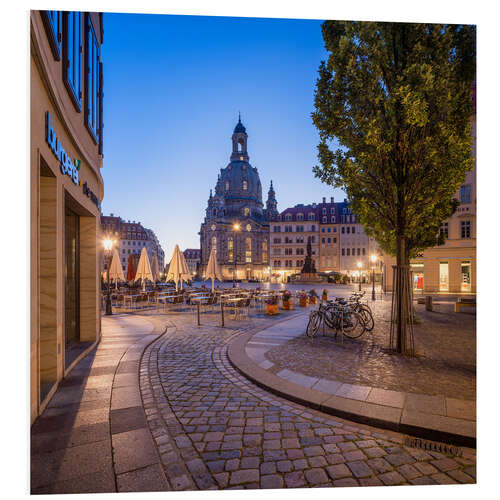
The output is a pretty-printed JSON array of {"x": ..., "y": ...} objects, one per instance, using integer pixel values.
[
  {"x": 287, "y": 305},
  {"x": 303, "y": 302},
  {"x": 272, "y": 309},
  {"x": 324, "y": 296},
  {"x": 313, "y": 300}
]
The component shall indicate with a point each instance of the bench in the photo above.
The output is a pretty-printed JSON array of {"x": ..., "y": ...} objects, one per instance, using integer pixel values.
[{"x": 464, "y": 302}]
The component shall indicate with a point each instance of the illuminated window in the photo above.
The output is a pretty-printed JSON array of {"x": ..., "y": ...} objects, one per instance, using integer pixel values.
[
  {"x": 245, "y": 185},
  {"x": 227, "y": 185},
  {"x": 264, "y": 251},
  {"x": 248, "y": 250},
  {"x": 230, "y": 246},
  {"x": 249, "y": 227},
  {"x": 246, "y": 211}
]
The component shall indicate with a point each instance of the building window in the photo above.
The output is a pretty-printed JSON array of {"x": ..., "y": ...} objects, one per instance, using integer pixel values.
[
  {"x": 72, "y": 55},
  {"x": 465, "y": 229},
  {"x": 353, "y": 229},
  {"x": 248, "y": 250},
  {"x": 359, "y": 251},
  {"x": 465, "y": 194},
  {"x": 443, "y": 230},
  {"x": 343, "y": 229},
  {"x": 324, "y": 211},
  {"x": 311, "y": 216},
  {"x": 230, "y": 246},
  {"x": 313, "y": 228},
  {"x": 334, "y": 229},
  {"x": 329, "y": 240},
  {"x": 300, "y": 217},
  {"x": 348, "y": 229},
  {"x": 288, "y": 217},
  {"x": 323, "y": 229},
  {"x": 364, "y": 251},
  {"x": 52, "y": 22},
  {"x": 246, "y": 212},
  {"x": 264, "y": 251},
  {"x": 227, "y": 185},
  {"x": 343, "y": 251},
  {"x": 277, "y": 229},
  {"x": 332, "y": 219},
  {"x": 276, "y": 240},
  {"x": 245, "y": 185},
  {"x": 325, "y": 219},
  {"x": 335, "y": 240},
  {"x": 322, "y": 240},
  {"x": 332, "y": 211},
  {"x": 348, "y": 251},
  {"x": 92, "y": 91}
]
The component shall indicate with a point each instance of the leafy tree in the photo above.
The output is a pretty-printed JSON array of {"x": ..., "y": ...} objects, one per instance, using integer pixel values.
[{"x": 393, "y": 107}]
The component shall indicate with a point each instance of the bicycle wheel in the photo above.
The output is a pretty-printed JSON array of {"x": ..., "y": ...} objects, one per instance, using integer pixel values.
[
  {"x": 330, "y": 319},
  {"x": 313, "y": 325},
  {"x": 366, "y": 317},
  {"x": 353, "y": 325}
]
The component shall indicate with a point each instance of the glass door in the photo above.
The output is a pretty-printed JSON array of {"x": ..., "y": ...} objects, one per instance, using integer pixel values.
[
  {"x": 72, "y": 284},
  {"x": 444, "y": 278}
]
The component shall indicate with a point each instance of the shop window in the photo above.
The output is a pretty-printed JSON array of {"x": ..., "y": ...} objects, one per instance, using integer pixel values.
[
  {"x": 443, "y": 277},
  {"x": 465, "y": 272},
  {"x": 92, "y": 90},
  {"x": 72, "y": 56},
  {"x": 465, "y": 227},
  {"x": 52, "y": 22}
]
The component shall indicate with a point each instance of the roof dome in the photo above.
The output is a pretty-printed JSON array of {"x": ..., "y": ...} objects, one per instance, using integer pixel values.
[{"x": 239, "y": 129}]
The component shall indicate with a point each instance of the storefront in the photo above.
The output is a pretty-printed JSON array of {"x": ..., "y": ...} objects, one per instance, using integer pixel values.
[{"x": 66, "y": 193}]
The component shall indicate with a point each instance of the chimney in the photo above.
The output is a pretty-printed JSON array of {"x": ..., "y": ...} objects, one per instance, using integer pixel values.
[
  {"x": 324, "y": 199},
  {"x": 331, "y": 199}
]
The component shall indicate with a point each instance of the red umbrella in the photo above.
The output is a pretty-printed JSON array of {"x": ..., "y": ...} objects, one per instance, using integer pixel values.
[{"x": 130, "y": 268}]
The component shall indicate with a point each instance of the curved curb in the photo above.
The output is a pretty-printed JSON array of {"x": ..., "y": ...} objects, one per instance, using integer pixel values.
[{"x": 359, "y": 411}]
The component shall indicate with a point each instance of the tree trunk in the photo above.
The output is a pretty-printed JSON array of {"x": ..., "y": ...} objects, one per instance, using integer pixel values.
[{"x": 402, "y": 313}]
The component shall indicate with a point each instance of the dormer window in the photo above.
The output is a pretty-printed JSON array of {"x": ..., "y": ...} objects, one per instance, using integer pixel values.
[
  {"x": 288, "y": 217},
  {"x": 245, "y": 185},
  {"x": 300, "y": 216},
  {"x": 324, "y": 211},
  {"x": 311, "y": 216}
]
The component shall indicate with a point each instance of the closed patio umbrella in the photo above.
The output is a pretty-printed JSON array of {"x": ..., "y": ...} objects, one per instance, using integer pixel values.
[
  {"x": 186, "y": 275},
  {"x": 144, "y": 269},
  {"x": 213, "y": 269},
  {"x": 155, "y": 268},
  {"x": 177, "y": 270},
  {"x": 130, "y": 268},
  {"x": 116, "y": 270}
]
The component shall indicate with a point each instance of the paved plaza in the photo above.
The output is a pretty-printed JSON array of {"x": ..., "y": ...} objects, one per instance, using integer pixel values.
[{"x": 158, "y": 406}]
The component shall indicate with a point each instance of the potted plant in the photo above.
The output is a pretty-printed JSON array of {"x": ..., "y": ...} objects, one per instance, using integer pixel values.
[
  {"x": 287, "y": 300},
  {"x": 272, "y": 306},
  {"x": 313, "y": 297},
  {"x": 324, "y": 296},
  {"x": 303, "y": 301}
]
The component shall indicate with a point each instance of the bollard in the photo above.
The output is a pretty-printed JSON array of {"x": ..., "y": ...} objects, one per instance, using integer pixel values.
[
  {"x": 198, "y": 308},
  {"x": 428, "y": 303},
  {"x": 222, "y": 312}
]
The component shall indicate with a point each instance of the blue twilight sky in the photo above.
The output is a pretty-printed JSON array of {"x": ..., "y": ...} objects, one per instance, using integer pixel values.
[{"x": 173, "y": 86}]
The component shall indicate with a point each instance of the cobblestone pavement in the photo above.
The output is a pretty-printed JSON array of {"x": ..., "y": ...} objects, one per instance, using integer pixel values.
[
  {"x": 214, "y": 429},
  {"x": 445, "y": 342}
]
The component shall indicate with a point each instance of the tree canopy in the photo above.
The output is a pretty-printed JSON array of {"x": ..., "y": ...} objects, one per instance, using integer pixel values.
[{"x": 393, "y": 107}]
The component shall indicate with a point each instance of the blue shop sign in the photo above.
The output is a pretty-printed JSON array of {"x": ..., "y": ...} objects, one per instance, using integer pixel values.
[{"x": 68, "y": 167}]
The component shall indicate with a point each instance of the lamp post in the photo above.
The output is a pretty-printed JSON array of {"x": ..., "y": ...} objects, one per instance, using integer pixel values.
[
  {"x": 373, "y": 258},
  {"x": 359, "y": 275},
  {"x": 108, "y": 245},
  {"x": 236, "y": 227}
]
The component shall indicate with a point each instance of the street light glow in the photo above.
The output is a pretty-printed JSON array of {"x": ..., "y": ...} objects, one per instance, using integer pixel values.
[
  {"x": 236, "y": 227},
  {"x": 359, "y": 265},
  {"x": 108, "y": 244},
  {"x": 373, "y": 258}
]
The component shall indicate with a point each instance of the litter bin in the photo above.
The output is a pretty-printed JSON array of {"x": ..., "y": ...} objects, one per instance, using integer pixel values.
[{"x": 428, "y": 303}]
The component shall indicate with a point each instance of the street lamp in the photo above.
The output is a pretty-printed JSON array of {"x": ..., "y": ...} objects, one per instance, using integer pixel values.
[
  {"x": 108, "y": 245},
  {"x": 359, "y": 275},
  {"x": 236, "y": 227},
  {"x": 373, "y": 258}
]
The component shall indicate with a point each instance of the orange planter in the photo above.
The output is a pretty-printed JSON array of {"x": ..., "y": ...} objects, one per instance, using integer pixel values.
[
  {"x": 287, "y": 305},
  {"x": 303, "y": 302},
  {"x": 313, "y": 300},
  {"x": 324, "y": 296},
  {"x": 272, "y": 309}
]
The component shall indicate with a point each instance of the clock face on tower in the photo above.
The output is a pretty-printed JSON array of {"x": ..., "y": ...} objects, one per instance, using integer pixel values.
[{"x": 213, "y": 227}]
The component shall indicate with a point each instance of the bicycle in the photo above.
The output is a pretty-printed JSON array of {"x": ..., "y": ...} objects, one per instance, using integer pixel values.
[
  {"x": 363, "y": 310},
  {"x": 338, "y": 316}
]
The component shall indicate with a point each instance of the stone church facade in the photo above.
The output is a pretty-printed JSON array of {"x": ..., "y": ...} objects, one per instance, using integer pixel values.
[{"x": 236, "y": 222}]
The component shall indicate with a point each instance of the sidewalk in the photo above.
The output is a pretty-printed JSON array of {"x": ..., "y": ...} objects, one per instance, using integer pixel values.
[
  {"x": 93, "y": 436},
  {"x": 436, "y": 417}
]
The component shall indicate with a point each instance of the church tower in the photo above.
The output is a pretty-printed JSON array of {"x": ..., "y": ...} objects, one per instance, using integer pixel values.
[
  {"x": 240, "y": 139},
  {"x": 271, "y": 204}
]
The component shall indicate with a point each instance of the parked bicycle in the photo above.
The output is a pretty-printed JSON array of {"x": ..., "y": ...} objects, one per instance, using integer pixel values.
[
  {"x": 363, "y": 310},
  {"x": 339, "y": 316}
]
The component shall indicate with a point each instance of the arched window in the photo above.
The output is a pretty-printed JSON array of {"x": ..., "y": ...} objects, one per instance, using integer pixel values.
[
  {"x": 227, "y": 185},
  {"x": 245, "y": 185},
  {"x": 214, "y": 211},
  {"x": 246, "y": 211}
]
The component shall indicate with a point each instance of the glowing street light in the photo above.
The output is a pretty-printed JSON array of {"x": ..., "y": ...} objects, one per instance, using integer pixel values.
[
  {"x": 373, "y": 258},
  {"x": 108, "y": 247},
  {"x": 236, "y": 227},
  {"x": 359, "y": 264}
]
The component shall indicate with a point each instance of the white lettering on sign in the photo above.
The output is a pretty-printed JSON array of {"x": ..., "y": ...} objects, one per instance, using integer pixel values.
[{"x": 67, "y": 165}]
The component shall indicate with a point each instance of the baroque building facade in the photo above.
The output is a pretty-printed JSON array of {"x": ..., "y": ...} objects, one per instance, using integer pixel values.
[{"x": 236, "y": 223}]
